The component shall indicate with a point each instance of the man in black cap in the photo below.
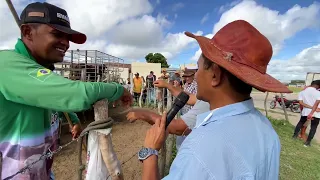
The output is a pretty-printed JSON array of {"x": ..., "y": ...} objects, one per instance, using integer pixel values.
[{"x": 30, "y": 91}]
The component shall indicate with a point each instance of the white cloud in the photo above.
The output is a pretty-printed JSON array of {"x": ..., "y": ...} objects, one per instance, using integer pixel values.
[
  {"x": 277, "y": 28},
  {"x": 138, "y": 32},
  {"x": 9, "y": 31},
  {"x": 95, "y": 17},
  {"x": 121, "y": 28},
  {"x": 308, "y": 60},
  {"x": 158, "y": 2},
  {"x": 170, "y": 46},
  {"x": 204, "y": 18},
  {"x": 196, "y": 56}
]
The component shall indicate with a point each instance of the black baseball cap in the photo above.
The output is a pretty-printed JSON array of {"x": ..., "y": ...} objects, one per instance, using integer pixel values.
[{"x": 55, "y": 17}]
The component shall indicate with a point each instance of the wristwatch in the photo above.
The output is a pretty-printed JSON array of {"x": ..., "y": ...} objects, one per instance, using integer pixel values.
[{"x": 144, "y": 153}]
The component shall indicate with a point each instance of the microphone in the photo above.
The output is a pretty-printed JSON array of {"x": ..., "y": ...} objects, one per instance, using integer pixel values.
[{"x": 179, "y": 102}]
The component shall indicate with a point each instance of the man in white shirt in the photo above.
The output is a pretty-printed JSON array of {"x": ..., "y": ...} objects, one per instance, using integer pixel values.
[{"x": 308, "y": 98}]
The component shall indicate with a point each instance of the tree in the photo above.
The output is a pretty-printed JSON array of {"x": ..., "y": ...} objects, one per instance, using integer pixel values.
[{"x": 157, "y": 58}]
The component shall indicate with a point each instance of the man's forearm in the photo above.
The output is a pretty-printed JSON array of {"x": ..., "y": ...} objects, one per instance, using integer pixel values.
[
  {"x": 305, "y": 105},
  {"x": 150, "y": 168},
  {"x": 150, "y": 117},
  {"x": 176, "y": 91},
  {"x": 315, "y": 106},
  {"x": 177, "y": 126}
]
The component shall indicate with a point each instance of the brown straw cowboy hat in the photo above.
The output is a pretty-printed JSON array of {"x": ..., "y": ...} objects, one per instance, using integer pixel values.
[
  {"x": 188, "y": 72},
  {"x": 243, "y": 51}
]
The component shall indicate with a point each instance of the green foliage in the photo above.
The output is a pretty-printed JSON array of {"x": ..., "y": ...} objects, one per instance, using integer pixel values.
[{"x": 157, "y": 58}]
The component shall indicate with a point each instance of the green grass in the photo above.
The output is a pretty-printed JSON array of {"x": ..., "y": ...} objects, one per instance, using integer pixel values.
[
  {"x": 293, "y": 89},
  {"x": 296, "y": 89},
  {"x": 296, "y": 161}
]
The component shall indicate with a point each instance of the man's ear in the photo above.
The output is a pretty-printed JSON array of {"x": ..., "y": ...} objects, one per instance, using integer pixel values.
[
  {"x": 217, "y": 75},
  {"x": 26, "y": 31}
]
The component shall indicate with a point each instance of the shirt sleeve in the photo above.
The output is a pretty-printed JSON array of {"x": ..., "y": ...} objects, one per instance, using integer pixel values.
[
  {"x": 190, "y": 118},
  {"x": 73, "y": 117},
  {"x": 318, "y": 96},
  {"x": 26, "y": 82},
  {"x": 187, "y": 166},
  {"x": 300, "y": 96}
]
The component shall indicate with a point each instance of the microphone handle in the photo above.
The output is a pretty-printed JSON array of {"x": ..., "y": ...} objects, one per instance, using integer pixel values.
[{"x": 171, "y": 114}]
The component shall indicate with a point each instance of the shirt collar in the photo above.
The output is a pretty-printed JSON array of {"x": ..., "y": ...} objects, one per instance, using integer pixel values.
[
  {"x": 226, "y": 111},
  {"x": 22, "y": 49}
]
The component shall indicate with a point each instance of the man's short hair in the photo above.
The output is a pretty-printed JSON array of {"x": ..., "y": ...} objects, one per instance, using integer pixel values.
[
  {"x": 315, "y": 82},
  {"x": 32, "y": 25},
  {"x": 236, "y": 84}
]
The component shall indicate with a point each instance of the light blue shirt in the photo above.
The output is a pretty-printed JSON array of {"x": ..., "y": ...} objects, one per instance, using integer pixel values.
[
  {"x": 190, "y": 118},
  {"x": 237, "y": 142}
]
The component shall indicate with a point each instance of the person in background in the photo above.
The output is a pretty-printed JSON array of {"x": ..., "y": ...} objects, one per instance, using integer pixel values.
[
  {"x": 137, "y": 86},
  {"x": 30, "y": 91},
  {"x": 190, "y": 86},
  {"x": 232, "y": 63},
  {"x": 176, "y": 79},
  {"x": 128, "y": 85},
  {"x": 150, "y": 87},
  {"x": 165, "y": 76},
  {"x": 307, "y": 98},
  {"x": 302, "y": 134}
]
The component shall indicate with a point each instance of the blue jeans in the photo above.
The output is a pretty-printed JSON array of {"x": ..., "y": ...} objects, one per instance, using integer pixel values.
[
  {"x": 52, "y": 175},
  {"x": 151, "y": 95}
]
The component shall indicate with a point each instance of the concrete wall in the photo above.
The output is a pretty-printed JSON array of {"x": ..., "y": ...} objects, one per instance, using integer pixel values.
[
  {"x": 124, "y": 74},
  {"x": 144, "y": 68}
]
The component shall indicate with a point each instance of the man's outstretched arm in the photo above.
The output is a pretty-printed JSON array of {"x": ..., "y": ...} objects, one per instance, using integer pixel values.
[
  {"x": 33, "y": 85},
  {"x": 177, "y": 126},
  {"x": 175, "y": 91}
]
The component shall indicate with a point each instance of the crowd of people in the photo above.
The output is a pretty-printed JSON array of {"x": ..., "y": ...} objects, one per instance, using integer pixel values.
[
  {"x": 221, "y": 135},
  {"x": 145, "y": 87}
]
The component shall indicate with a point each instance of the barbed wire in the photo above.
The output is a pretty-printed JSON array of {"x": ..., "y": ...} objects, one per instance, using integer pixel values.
[{"x": 43, "y": 157}]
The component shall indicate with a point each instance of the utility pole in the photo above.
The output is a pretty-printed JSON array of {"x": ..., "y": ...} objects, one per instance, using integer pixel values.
[{"x": 13, "y": 12}]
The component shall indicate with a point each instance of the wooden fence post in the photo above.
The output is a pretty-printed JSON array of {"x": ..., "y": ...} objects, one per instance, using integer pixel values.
[
  {"x": 162, "y": 153},
  {"x": 284, "y": 107},
  {"x": 265, "y": 103},
  {"x": 170, "y": 139},
  {"x": 105, "y": 142}
]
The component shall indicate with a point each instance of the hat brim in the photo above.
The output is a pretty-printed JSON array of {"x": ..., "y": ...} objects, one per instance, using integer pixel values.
[
  {"x": 188, "y": 75},
  {"x": 251, "y": 76},
  {"x": 76, "y": 37}
]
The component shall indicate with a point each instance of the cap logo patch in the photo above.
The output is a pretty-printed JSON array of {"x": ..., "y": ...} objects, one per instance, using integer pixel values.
[
  {"x": 36, "y": 14},
  {"x": 63, "y": 17}
]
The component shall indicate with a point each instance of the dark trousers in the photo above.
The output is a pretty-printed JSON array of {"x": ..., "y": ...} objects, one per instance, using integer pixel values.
[
  {"x": 313, "y": 130},
  {"x": 136, "y": 96}
]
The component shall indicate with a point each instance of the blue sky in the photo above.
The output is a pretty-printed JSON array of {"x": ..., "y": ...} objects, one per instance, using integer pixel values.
[
  {"x": 132, "y": 29},
  {"x": 190, "y": 14}
]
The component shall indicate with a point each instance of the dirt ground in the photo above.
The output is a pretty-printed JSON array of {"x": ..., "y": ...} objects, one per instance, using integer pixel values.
[{"x": 127, "y": 139}]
